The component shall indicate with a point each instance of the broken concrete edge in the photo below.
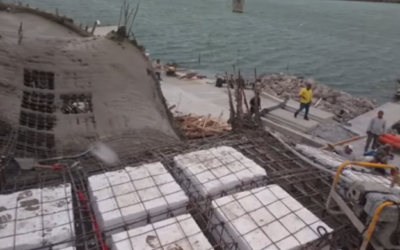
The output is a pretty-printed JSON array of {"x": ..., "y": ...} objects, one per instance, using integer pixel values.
[
  {"x": 114, "y": 36},
  {"x": 295, "y": 135},
  {"x": 314, "y": 164},
  {"x": 61, "y": 20},
  {"x": 170, "y": 115}
]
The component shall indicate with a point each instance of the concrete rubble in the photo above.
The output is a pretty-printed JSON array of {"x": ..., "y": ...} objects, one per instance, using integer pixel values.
[{"x": 332, "y": 101}]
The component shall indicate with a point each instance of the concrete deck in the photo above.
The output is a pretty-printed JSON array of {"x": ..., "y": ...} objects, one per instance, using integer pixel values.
[
  {"x": 392, "y": 115},
  {"x": 186, "y": 102},
  {"x": 103, "y": 31},
  {"x": 315, "y": 114},
  {"x": 219, "y": 97},
  {"x": 359, "y": 125}
]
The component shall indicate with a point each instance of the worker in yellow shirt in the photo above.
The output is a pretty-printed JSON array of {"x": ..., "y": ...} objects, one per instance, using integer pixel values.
[{"x": 305, "y": 101}]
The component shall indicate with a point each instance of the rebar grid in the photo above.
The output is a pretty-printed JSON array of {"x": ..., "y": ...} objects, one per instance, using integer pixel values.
[{"x": 307, "y": 185}]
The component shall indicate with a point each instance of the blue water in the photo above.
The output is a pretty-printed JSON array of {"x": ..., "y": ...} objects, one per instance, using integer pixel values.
[{"x": 353, "y": 46}]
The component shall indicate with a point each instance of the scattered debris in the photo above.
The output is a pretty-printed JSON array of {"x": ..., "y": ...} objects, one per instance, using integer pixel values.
[
  {"x": 201, "y": 126},
  {"x": 328, "y": 99}
]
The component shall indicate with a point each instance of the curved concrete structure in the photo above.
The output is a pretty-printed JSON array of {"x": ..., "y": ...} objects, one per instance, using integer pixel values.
[{"x": 58, "y": 89}]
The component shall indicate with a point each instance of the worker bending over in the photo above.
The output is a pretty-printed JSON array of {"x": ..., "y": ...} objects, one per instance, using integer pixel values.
[
  {"x": 345, "y": 152},
  {"x": 382, "y": 156}
]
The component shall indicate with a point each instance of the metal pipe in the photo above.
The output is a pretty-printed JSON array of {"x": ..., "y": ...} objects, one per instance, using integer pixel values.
[
  {"x": 339, "y": 172},
  {"x": 363, "y": 164},
  {"x": 316, "y": 104}
]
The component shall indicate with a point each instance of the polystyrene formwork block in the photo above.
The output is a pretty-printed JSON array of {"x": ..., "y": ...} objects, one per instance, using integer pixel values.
[
  {"x": 218, "y": 169},
  {"x": 132, "y": 195},
  {"x": 265, "y": 218},
  {"x": 180, "y": 232},
  {"x": 36, "y": 218}
]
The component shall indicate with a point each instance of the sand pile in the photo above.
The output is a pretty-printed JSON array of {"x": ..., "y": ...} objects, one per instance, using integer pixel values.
[{"x": 332, "y": 100}]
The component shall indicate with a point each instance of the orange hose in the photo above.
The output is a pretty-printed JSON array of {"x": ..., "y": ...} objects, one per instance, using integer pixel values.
[{"x": 391, "y": 137}]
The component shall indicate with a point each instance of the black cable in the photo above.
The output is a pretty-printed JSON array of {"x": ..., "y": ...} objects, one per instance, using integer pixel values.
[
  {"x": 321, "y": 228},
  {"x": 324, "y": 237}
]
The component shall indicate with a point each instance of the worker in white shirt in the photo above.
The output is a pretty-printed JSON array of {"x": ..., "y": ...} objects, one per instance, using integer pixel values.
[
  {"x": 158, "y": 67},
  {"x": 376, "y": 127}
]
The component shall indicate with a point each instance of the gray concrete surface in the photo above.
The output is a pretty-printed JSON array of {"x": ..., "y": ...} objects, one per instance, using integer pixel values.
[
  {"x": 125, "y": 97},
  {"x": 103, "y": 31},
  {"x": 187, "y": 103},
  {"x": 332, "y": 131},
  {"x": 32, "y": 26},
  {"x": 360, "y": 124},
  {"x": 286, "y": 118},
  {"x": 196, "y": 97},
  {"x": 294, "y": 135},
  {"x": 219, "y": 97},
  {"x": 314, "y": 114}
]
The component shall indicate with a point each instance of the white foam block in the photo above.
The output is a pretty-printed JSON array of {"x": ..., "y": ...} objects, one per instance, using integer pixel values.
[
  {"x": 180, "y": 232},
  {"x": 214, "y": 170},
  {"x": 69, "y": 248},
  {"x": 58, "y": 216},
  {"x": 266, "y": 217},
  {"x": 37, "y": 217},
  {"x": 127, "y": 196}
]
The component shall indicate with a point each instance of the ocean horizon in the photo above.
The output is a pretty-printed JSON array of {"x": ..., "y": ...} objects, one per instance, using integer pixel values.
[{"x": 351, "y": 46}]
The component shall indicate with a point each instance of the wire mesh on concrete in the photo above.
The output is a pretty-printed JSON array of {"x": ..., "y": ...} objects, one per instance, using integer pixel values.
[{"x": 308, "y": 186}]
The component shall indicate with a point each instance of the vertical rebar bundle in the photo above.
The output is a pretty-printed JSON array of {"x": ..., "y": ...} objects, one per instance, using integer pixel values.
[{"x": 127, "y": 17}]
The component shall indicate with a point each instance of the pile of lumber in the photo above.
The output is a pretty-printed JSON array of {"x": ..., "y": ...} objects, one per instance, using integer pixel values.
[{"x": 195, "y": 126}]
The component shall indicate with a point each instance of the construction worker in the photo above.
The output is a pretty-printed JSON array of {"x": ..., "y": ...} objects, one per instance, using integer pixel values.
[
  {"x": 158, "y": 67},
  {"x": 376, "y": 127},
  {"x": 231, "y": 82},
  {"x": 305, "y": 101},
  {"x": 255, "y": 103},
  {"x": 382, "y": 156}
]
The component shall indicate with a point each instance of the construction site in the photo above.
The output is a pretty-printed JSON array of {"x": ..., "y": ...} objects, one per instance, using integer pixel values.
[{"x": 96, "y": 154}]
